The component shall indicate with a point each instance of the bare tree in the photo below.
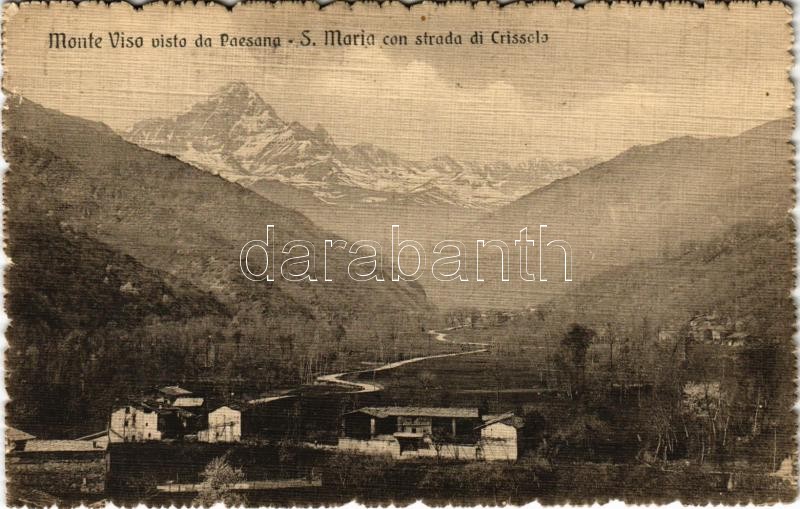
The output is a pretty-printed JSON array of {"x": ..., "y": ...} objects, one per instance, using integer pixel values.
[{"x": 219, "y": 478}]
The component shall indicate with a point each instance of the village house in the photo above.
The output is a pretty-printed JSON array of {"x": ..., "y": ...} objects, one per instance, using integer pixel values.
[
  {"x": 133, "y": 423},
  {"x": 224, "y": 425},
  {"x": 712, "y": 328},
  {"x": 143, "y": 422},
  {"x": 172, "y": 412},
  {"x": 500, "y": 437},
  {"x": 419, "y": 432}
]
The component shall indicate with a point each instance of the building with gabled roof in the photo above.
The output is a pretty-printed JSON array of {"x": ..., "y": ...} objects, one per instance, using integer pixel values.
[
  {"x": 508, "y": 418},
  {"x": 440, "y": 432},
  {"x": 368, "y": 422},
  {"x": 16, "y": 439},
  {"x": 224, "y": 425},
  {"x": 135, "y": 423},
  {"x": 500, "y": 437}
]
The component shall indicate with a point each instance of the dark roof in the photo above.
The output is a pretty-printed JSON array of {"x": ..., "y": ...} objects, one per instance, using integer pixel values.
[
  {"x": 151, "y": 408},
  {"x": 242, "y": 407},
  {"x": 414, "y": 411},
  {"x": 506, "y": 418},
  {"x": 15, "y": 435}
]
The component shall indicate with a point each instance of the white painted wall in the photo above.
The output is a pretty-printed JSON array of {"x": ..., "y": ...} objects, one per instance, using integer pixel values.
[
  {"x": 132, "y": 424},
  {"x": 224, "y": 425},
  {"x": 389, "y": 447},
  {"x": 499, "y": 442}
]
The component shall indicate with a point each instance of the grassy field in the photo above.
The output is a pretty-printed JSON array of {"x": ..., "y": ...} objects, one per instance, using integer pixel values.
[{"x": 485, "y": 380}]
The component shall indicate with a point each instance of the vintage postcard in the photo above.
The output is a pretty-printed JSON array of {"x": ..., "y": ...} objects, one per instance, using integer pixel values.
[{"x": 283, "y": 255}]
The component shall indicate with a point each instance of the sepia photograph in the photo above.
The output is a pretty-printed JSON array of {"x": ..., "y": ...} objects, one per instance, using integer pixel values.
[{"x": 284, "y": 255}]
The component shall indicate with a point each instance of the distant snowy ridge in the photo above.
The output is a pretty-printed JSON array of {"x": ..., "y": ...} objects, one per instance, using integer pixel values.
[{"x": 237, "y": 135}]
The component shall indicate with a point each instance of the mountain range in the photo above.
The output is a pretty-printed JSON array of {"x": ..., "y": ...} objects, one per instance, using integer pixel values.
[
  {"x": 647, "y": 203},
  {"x": 236, "y": 134},
  {"x": 110, "y": 241}
]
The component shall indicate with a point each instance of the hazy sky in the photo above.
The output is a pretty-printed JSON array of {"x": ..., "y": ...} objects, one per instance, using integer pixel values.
[{"x": 608, "y": 78}]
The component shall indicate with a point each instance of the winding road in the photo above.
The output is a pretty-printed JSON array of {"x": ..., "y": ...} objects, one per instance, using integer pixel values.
[{"x": 365, "y": 387}]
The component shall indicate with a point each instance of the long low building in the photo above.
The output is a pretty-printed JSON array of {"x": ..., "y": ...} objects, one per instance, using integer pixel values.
[
  {"x": 64, "y": 446},
  {"x": 65, "y": 468},
  {"x": 439, "y": 432}
]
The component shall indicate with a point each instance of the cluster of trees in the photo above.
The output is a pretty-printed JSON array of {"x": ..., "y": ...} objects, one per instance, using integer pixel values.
[
  {"x": 92, "y": 328},
  {"x": 633, "y": 392},
  {"x": 69, "y": 386},
  {"x": 219, "y": 479},
  {"x": 710, "y": 403}
]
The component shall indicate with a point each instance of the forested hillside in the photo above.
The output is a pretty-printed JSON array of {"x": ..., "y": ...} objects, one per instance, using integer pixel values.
[
  {"x": 624, "y": 348},
  {"x": 126, "y": 274},
  {"x": 645, "y": 203}
]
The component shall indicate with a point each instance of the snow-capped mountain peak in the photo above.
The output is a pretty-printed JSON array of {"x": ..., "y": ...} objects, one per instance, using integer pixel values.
[{"x": 236, "y": 134}]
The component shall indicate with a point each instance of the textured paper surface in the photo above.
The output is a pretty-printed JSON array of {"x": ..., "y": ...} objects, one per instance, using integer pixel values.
[{"x": 281, "y": 255}]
